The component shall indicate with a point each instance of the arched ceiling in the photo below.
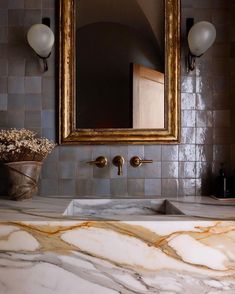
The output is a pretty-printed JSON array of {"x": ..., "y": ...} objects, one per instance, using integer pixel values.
[
  {"x": 154, "y": 11},
  {"x": 147, "y": 16}
]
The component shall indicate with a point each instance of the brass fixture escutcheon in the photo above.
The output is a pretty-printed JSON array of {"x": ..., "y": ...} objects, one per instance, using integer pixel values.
[
  {"x": 100, "y": 161},
  {"x": 136, "y": 161}
]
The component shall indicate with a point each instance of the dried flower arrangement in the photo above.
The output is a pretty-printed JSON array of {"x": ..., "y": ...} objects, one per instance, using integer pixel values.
[{"x": 22, "y": 145}]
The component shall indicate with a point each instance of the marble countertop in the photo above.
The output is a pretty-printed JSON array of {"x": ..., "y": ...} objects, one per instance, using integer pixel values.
[
  {"x": 111, "y": 246},
  {"x": 53, "y": 208}
]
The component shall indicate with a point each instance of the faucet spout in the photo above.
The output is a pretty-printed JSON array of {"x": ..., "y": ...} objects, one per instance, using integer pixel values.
[{"x": 119, "y": 162}]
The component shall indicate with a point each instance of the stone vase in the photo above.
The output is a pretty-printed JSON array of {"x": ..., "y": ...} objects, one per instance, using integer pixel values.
[{"x": 20, "y": 178}]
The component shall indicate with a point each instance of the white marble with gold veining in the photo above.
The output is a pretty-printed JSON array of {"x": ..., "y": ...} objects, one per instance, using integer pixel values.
[
  {"x": 106, "y": 246},
  {"x": 54, "y": 208},
  {"x": 102, "y": 257}
]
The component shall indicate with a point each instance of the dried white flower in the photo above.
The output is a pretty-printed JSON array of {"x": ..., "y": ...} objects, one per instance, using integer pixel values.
[{"x": 21, "y": 145}]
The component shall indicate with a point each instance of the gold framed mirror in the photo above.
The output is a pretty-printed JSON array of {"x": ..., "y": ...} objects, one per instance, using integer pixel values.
[{"x": 69, "y": 130}]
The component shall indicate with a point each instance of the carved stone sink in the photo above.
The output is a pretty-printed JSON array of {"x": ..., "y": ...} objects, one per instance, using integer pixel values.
[{"x": 111, "y": 208}]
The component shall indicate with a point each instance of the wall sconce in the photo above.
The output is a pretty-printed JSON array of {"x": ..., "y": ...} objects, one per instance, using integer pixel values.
[
  {"x": 41, "y": 38},
  {"x": 201, "y": 36}
]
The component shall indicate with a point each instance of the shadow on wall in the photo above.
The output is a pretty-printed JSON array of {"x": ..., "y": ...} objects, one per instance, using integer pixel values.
[
  {"x": 207, "y": 181},
  {"x": 4, "y": 179}
]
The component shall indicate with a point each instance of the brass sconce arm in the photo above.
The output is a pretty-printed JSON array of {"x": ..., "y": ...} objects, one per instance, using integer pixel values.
[{"x": 44, "y": 60}]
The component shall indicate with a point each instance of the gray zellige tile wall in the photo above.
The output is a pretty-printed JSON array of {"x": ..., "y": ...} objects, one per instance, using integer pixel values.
[{"x": 28, "y": 99}]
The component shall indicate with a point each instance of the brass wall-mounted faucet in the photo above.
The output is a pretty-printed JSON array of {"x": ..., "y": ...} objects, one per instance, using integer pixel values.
[
  {"x": 119, "y": 161},
  {"x": 100, "y": 161}
]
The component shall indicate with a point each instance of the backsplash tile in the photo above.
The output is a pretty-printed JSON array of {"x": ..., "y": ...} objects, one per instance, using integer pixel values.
[
  {"x": 33, "y": 102},
  {"x": 170, "y": 170},
  {"x": 135, "y": 187},
  {"x": 188, "y": 118},
  {"x": 49, "y": 187},
  {"x": 3, "y": 102},
  {"x": 222, "y": 136},
  {"x": 15, "y": 17},
  {"x": 188, "y": 101},
  {"x": 16, "y": 85},
  {"x": 100, "y": 187},
  {"x": 148, "y": 170},
  {"x": 170, "y": 187},
  {"x": 153, "y": 152},
  {"x": 204, "y": 118},
  {"x": 204, "y": 101},
  {"x": 28, "y": 98},
  {"x": 187, "y": 170},
  {"x": 48, "y": 4},
  {"x": 50, "y": 171},
  {"x": 67, "y": 187},
  {"x": 152, "y": 187},
  {"x": 134, "y": 150},
  {"x": 170, "y": 153},
  {"x": 14, "y": 4},
  {"x": 187, "y": 153},
  {"x": 187, "y": 187},
  {"x": 204, "y": 153},
  {"x": 32, "y": 16},
  {"x": 3, "y": 35},
  {"x": 105, "y": 173},
  {"x": 83, "y": 187},
  {"x": 118, "y": 187},
  {"x": 32, "y": 4},
  {"x": 3, "y": 119},
  {"x": 33, "y": 85},
  {"x": 15, "y": 119},
  {"x": 187, "y": 84},
  {"x": 67, "y": 170},
  {"x": 188, "y": 135},
  {"x": 4, "y": 67},
  {"x": 16, "y": 67},
  {"x": 204, "y": 136},
  {"x": 3, "y": 85},
  {"x": 221, "y": 118}
]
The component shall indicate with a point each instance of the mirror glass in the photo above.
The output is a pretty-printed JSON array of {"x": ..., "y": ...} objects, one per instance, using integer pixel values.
[
  {"x": 120, "y": 64},
  {"x": 119, "y": 71}
]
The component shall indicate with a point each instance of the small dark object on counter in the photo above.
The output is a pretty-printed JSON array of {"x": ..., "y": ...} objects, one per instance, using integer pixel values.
[{"x": 222, "y": 184}]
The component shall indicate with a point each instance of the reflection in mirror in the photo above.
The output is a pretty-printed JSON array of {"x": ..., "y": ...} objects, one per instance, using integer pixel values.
[{"x": 120, "y": 64}]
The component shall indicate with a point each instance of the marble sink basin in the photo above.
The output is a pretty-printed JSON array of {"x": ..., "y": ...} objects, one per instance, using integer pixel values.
[{"x": 113, "y": 208}]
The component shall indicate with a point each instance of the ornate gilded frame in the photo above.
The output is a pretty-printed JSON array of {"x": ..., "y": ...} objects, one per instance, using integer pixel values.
[{"x": 68, "y": 134}]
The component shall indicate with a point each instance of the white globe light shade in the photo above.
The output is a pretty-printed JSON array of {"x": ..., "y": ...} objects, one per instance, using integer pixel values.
[
  {"x": 41, "y": 38},
  {"x": 201, "y": 36}
]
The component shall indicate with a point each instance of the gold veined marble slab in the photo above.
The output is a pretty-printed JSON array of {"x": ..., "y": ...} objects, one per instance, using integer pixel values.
[
  {"x": 105, "y": 257},
  {"x": 53, "y": 208},
  {"x": 43, "y": 250}
]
